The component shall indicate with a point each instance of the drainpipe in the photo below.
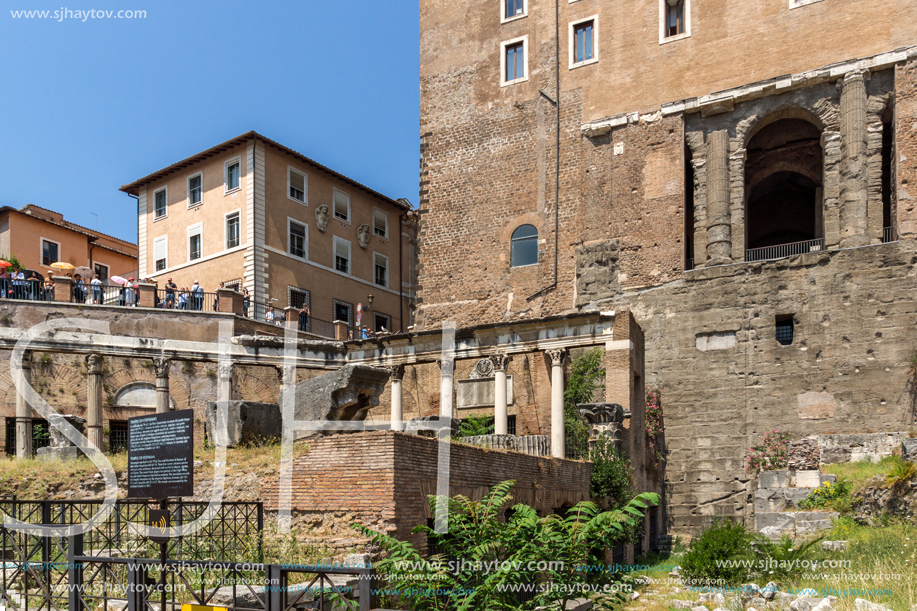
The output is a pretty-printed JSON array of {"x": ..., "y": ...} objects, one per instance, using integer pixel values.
[
  {"x": 556, "y": 101},
  {"x": 401, "y": 216},
  {"x": 139, "y": 254}
]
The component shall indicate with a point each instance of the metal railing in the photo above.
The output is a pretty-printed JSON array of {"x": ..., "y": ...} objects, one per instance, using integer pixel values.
[
  {"x": 769, "y": 253},
  {"x": 187, "y": 300},
  {"x": 889, "y": 235},
  {"x": 26, "y": 290}
]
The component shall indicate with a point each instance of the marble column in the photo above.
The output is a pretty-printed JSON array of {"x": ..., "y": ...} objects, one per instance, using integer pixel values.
[
  {"x": 501, "y": 418},
  {"x": 162, "y": 365},
  {"x": 854, "y": 173},
  {"x": 447, "y": 367},
  {"x": 94, "y": 400},
  {"x": 224, "y": 377},
  {"x": 24, "y": 414},
  {"x": 558, "y": 434},
  {"x": 397, "y": 416}
]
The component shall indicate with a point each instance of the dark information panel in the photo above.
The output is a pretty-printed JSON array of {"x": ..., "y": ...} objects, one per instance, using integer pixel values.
[{"x": 160, "y": 455}]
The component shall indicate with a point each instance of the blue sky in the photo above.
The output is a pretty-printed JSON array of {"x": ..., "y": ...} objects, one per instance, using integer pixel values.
[{"x": 88, "y": 106}]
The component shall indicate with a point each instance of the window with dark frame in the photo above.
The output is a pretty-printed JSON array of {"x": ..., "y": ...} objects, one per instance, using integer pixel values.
[
  {"x": 50, "y": 252},
  {"x": 101, "y": 270},
  {"x": 381, "y": 321},
  {"x": 297, "y": 240},
  {"x": 117, "y": 436},
  {"x": 380, "y": 224},
  {"x": 785, "y": 330},
  {"x": 159, "y": 203},
  {"x": 194, "y": 246},
  {"x": 584, "y": 39},
  {"x": 674, "y": 17},
  {"x": 515, "y": 61},
  {"x": 233, "y": 174},
  {"x": 343, "y": 311},
  {"x": 297, "y": 186},
  {"x": 341, "y": 206},
  {"x": 195, "y": 190},
  {"x": 514, "y": 8},
  {"x": 233, "y": 233},
  {"x": 380, "y": 270},
  {"x": 296, "y": 297},
  {"x": 342, "y": 257},
  {"x": 160, "y": 254},
  {"x": 524, "y": 246}
]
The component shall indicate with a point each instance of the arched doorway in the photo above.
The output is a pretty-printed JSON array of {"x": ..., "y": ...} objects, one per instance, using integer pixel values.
[{"x": 783, "y": 190}]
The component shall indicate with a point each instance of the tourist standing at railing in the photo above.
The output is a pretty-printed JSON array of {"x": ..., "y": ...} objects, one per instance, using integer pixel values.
[
  {"x": 197, "y": 296},
  {"x": 96, "y": 283},
  {"x": 4, "y": 283},
  {"x": 216, "y": 300},
  {"x": 183, "y": 299},
  {"x": 170, "y": 294},
  {"x": 129, "y": 294},
  {"x": 79, "y": 289},
  {"x": 49, "y": 290},
  {"x": 304, "y": 317},
  {"x": 246, "y": 302},
  {"x": 272, "y": 317},
  {"x": 34, "y": 286},
  {"x": 18, "y": 284}
]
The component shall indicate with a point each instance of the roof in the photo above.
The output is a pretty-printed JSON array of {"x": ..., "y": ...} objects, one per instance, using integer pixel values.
[
  {"x": 134, "y": 187},
  {"x": 70, "y": 225},
  {"x": 94, "y": 235}
]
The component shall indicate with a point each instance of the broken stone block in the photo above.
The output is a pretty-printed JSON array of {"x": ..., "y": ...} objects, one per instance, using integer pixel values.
[
  {"x": 909, "y": 450},
  {"x": 343, "y": 395},
  {"x": 827, "y": 477},
  {"x": 769, "y": 592},
  {"x": 834, "y": 546},
  {"x": 777, "y": 522},
  {"x": 246, "y": 422},
  {"x": 805, "y": 602},
  {"x": 773, "y": 479},
  {"x": 681, "y": 604},
  {"x": 808, "y": 479},
  {"x": 861, "y": 604},
  {"x": 811, "y": 522}
]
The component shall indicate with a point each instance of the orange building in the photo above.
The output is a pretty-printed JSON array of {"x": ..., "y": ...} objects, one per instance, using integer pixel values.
[{"x": 38, "y": 237}]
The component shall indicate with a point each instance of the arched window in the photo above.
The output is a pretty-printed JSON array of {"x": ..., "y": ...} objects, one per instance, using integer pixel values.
[{"x": 524, "y": 246}]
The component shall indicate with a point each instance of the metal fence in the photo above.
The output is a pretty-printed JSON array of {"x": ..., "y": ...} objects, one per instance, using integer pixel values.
[
  {"x": 769, "y": 253},
  {"x": 184, "y": 299},
  {"x": 889, "y": 235},
  {"x": 27, "y": 290}
]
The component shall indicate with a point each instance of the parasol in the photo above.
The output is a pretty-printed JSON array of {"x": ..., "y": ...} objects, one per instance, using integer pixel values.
[
  {"x": 63, "y": 267},
  {"x": 5, "y": 264},
  {"x": 118, "y": 280},
  {"x": 84, "y": 272}
]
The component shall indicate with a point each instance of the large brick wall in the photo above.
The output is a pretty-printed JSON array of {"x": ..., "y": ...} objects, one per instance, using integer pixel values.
[{"x": 374, "y": 477}]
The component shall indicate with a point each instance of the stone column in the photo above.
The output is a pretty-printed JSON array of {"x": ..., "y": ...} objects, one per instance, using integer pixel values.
[
  {"x": 558, "y": 434},
  {"x": 719, "y": 227},
  {"x": 24, "y": 414},
  {"x": 854, "y": 170},
  {"x": 397, "y": 416},
  {"x": 501, "y": 419},
  {"x": 162, "y": 365},
  {"x": 447, "y": 368},
  {"x": 94, "y": 400}
]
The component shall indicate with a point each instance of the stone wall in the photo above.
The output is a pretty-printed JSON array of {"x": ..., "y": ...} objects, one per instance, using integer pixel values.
[{"x": 374, "y": 477}]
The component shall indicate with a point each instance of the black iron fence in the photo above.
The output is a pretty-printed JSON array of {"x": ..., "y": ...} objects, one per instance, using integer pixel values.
[
  {"x": 186, "y": 299},
  {"x": 780, "y": 251},
  {"x": 27, "y": 290}
]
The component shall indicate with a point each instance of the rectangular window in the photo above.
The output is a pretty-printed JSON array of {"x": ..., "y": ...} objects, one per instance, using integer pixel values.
[
  {"x": 194, "y": 242},
  {"x": 341, "y": 206},
  {"x": 584, "y": 42},
  {"x": 101, "y": 270},
  {"x": 117, "y": 438},
  {"x": 380, "y": 223},
  {"x": 515, "y": 62},
  {"x": 343, "y": 311},
  {"x": 297, "y": 182},
  {"x": 382, "y": 322},
  {"x": 50, "y": 252},
  {"x": 160, "y": 202},
  {"x": 342, "y": 255},
  {"x": 160, "y": 252},
  {"x": 233, "y": 174},
  {"x": 298, "y": 297},
  {"x": 380, "y": 269},
  {"x": 195, "y": 190},
  {"x": 785, "y": 330},
  {"x": 674, "y": 20},
  {"x": 297, "y": 240},
  {"x": 513, "y": 8},
  {"x": 233, "y": 230}
]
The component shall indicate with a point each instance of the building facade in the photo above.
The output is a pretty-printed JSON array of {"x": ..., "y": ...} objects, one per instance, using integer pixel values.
[
  {"x": 736, "y": 176},
  {"x": 38, "y": 237},
  {"x": 254, "y": 214}
]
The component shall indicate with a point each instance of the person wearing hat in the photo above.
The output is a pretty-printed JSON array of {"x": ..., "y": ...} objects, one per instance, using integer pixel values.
[
  {"x": 130, "y": 292},
  {"x": 170, "y": 293},
  {"x": 197, "y": 296}
]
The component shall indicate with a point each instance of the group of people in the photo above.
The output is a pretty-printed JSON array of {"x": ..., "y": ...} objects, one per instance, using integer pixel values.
[
  {"x": 17, "y": 283},
  {"x": 184, "y": 298}
]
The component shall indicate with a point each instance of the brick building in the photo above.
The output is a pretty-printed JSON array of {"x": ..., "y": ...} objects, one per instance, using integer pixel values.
[
  {"x": 252, "y": 213},
  {"x": 737, "y": 176}
]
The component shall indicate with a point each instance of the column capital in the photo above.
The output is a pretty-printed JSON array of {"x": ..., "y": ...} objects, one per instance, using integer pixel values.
[
  {"x": 397, "y": 372},
  {"x": 500, "y": 362},
  {"x": 162, "y": 364},
  {"x": 224, "y": 371},
  {"x": 556, "y": 355},
  {"x": 94, "y": 363}
]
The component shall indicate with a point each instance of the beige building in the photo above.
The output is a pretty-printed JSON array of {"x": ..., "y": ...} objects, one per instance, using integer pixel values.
[
  {"x": 253, "y": 213},
  {"x": 38, "y": 237}
]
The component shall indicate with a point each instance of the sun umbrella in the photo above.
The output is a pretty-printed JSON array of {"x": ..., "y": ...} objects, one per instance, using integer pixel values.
[
  {"x": 118, "y": 280},
  {"x": 5, "y": 264},
  {"x": 61, "y": 266},
  {"x": 84, "y": 272}
]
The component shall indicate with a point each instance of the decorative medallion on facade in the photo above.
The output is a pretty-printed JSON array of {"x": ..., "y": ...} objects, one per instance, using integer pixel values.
[
  {"x": 321, "y": 217},
  {"x": 363, "y": 235},
  {"x": 483, "y": 369}
]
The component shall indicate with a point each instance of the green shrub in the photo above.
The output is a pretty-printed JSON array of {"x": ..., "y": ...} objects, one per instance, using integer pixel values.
[
  {"x": 829, "y": 495},
  {"x": 900, "y": 473},
  {"x": 479, "y": 537},
  {"x": 780, "y": 559},
  {"x": 714, "y": 555},
  {"x": 475, "y": 426},
  {"x": 611, "y": 475}
]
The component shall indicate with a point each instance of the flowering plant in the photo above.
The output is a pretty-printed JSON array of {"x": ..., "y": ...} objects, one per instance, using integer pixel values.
[
  {"x": 771, "y": 454},
  {"x": 654, "y": 424}
]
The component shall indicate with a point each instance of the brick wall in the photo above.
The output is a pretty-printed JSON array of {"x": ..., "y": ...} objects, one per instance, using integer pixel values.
[{"x": 380, "y": 475}]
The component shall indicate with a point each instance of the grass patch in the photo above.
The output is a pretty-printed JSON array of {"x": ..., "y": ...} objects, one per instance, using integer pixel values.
[{"x": 859, "y": 474}]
